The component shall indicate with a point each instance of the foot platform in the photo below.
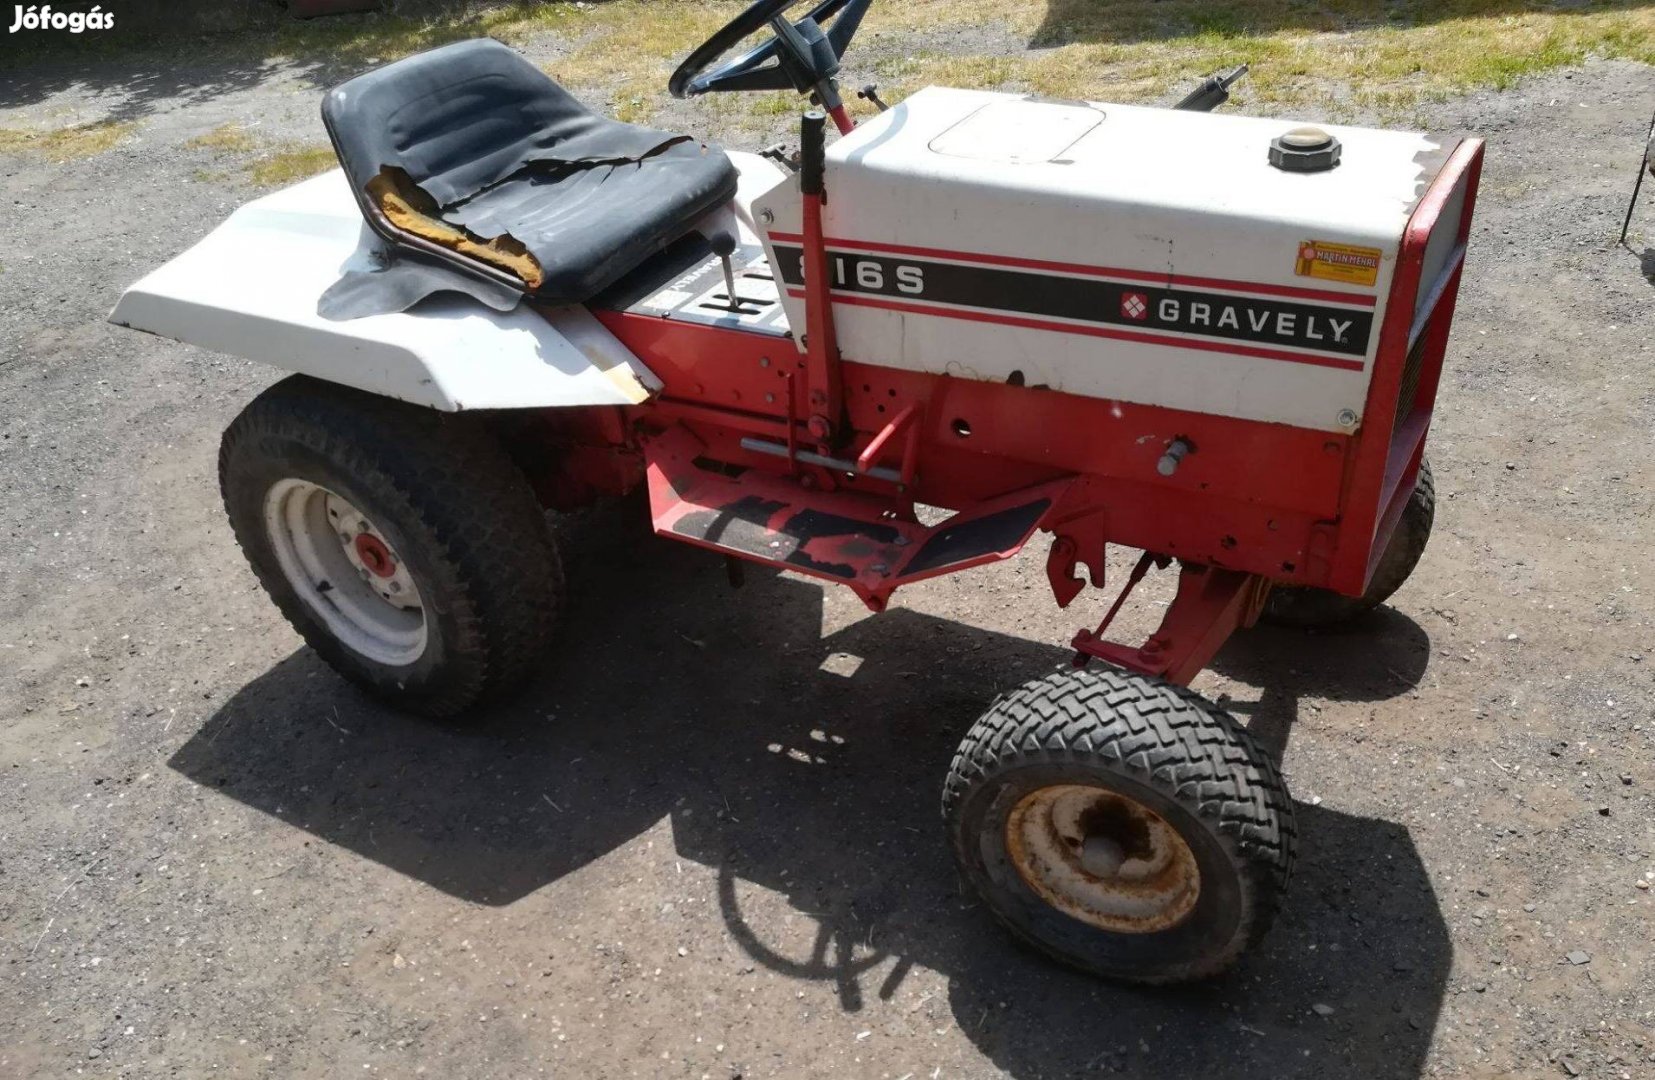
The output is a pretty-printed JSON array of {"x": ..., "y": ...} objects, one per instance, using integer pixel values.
[{"x": 864, "y": 541}]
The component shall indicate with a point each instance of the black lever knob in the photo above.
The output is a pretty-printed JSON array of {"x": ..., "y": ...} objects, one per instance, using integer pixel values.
[
  {"x": 724, "y": 245},
  {"x": 870, "y": 92}
]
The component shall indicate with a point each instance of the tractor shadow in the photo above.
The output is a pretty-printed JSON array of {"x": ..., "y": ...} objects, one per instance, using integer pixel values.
[
  {"x": 1377, "y": 656},
  {"x": 805, "y": 769},
  {"x": 163, "y": 53}
]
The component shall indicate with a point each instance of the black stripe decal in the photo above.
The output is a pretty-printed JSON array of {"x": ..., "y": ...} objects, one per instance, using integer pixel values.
[{"x": 1257, "y": 320}]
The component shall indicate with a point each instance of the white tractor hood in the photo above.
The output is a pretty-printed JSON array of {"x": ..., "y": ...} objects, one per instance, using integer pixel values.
[{"x": 1141, "y": 255}]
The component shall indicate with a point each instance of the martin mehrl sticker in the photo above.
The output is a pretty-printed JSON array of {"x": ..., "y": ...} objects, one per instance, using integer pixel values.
[
  {"x": 1338, "y": 262},
  {"x": 1296, "y": 324}
]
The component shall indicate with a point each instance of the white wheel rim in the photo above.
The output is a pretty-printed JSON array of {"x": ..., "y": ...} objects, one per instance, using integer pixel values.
[{"x": 345, "y": 570}]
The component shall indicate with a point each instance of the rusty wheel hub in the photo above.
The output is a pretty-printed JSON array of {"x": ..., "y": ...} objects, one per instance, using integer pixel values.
[{"x": 1103, "y": 858}]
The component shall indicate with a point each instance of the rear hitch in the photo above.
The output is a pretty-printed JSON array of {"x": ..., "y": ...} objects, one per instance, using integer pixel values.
[{"x": 1210, "y": 605}]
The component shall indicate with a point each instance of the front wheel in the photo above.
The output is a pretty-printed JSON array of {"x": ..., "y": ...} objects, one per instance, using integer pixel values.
[
  {"x": 1121, "y": 824},
  {"x": 402, "y": 544}
]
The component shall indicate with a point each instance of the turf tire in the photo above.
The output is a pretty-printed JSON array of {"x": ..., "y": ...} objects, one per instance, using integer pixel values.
[
  {"x": 451, "y": 503},
  {"x": 1159, "y": 744}
]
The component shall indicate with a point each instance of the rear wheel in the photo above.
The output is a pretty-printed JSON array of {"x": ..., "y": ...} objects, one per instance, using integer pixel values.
[
  {"x": 401, "y": 543},
  {"x": 1309, "y": 607},
  {"x": 1121, "y": 824}
]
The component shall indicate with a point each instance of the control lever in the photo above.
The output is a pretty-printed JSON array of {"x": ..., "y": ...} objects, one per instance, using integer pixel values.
[
  {"x": 724, "y": 245},
  {"x": 780, "y": 155},
  {"x": 1212, "y": 93},
  {"x": 870, "y": 92}
]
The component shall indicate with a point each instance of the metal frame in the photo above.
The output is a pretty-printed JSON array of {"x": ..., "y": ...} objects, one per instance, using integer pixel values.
[{"x": 752, "y": 446}]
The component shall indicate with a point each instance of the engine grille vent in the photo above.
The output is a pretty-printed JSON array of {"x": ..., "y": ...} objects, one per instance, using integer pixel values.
[{"x": 1410, "y": 383}]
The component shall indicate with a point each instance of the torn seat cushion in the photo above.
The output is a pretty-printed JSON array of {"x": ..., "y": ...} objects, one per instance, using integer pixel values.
[{"x": 475, "y": 151}]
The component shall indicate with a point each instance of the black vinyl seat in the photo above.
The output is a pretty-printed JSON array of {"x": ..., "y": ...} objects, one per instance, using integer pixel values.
[{"x": 470, "y": 153}]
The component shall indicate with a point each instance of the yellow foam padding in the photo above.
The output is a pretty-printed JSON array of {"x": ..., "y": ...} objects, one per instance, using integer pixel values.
[{"x": 413, "y": 211}]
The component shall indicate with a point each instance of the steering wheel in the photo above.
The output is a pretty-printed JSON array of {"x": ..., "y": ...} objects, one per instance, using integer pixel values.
[{"x": 800, "y": 56}]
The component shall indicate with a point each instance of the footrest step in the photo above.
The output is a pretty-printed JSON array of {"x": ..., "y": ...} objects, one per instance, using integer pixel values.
[{"x": 850, "y": 538}]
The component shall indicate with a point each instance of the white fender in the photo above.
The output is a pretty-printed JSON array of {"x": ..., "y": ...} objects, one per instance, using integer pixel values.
[{"x": 250, "y": 289}]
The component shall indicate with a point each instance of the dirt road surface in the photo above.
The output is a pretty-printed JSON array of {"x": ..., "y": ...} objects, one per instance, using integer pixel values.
[{"x": 707, "y": 842}]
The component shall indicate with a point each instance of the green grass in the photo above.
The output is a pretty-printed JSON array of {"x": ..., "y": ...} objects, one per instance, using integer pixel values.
[
  {"x": 1329, "y": 55},
  {"x": 265, "y": 164},
  {"x": 226, "y": 138},
  {"x": 370, "y": 38},
  {"x": 288, "y": 163},
  {"x": 64, "y": 144},
  {"x": 1367, "y": 52}
]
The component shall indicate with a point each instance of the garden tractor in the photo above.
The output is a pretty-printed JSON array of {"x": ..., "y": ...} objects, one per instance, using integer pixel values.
[{"x": 970, "y": 319}]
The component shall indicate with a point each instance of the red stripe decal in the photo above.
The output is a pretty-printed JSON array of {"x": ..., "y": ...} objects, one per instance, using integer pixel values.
[
  {"x": 1095, "y": 271},
  {"x": 969, "y": 315}
]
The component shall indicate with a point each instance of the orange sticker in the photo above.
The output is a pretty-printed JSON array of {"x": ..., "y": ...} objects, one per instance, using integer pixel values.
[{"x": 1338, "y": 262}]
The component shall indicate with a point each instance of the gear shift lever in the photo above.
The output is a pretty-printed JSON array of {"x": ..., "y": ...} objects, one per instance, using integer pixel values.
[{"x": 724, "y": 245}]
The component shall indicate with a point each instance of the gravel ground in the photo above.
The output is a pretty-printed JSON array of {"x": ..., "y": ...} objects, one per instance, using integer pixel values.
[{"x": 706, "y": 844}]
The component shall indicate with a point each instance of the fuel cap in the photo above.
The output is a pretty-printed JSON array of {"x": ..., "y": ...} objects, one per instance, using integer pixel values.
[{"x": 1304, "y": 149}]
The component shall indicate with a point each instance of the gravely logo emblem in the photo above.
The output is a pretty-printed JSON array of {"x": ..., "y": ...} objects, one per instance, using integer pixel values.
[
  {"x": 1338, "y": 262},
  {"x": 1302, "y": 325},
  {"x": 1309, "y": 324}
]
